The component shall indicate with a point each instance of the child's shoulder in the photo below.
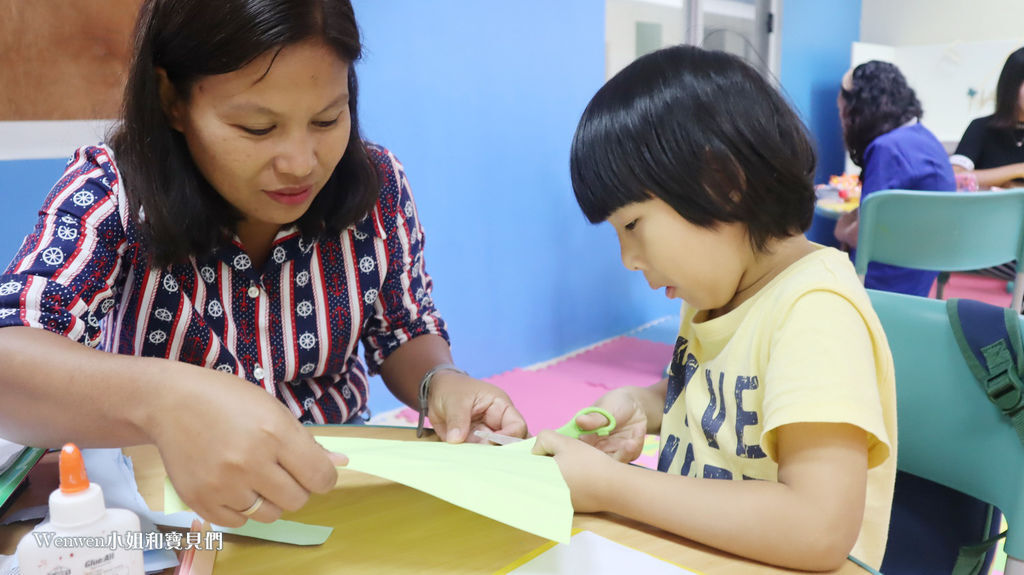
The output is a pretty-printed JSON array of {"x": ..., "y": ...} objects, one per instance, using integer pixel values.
[{"x": 823, "y": 270}]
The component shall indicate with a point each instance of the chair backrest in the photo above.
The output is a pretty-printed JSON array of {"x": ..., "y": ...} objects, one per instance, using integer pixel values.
[
  {"x": 949, "y": 431},
  {"x": 942, "y": 231}
]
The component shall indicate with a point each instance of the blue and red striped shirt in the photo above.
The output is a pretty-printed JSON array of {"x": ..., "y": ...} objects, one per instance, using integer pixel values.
[{"x": 292, "y": 328}]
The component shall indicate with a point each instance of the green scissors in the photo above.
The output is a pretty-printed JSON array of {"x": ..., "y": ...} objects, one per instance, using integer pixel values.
[{"x": 571, "y": 429}]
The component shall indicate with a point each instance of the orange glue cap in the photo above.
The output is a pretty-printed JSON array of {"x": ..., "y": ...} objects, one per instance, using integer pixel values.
[{"x": 72, "y": 470}]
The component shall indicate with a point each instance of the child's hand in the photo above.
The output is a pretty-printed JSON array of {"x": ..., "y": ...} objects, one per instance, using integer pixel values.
[
  {"x": 585, "y": 469},
  {"x": 626, "y": 441}
]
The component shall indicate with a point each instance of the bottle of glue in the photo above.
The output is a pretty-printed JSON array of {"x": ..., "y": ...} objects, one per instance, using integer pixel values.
[{"x": 82, "y": 536}]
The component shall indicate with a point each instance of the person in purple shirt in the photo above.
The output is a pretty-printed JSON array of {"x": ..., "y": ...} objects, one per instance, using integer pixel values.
[{"x": 881, "y": 117}]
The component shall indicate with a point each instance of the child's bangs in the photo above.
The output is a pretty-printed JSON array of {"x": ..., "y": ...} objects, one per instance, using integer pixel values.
[{"x": 606, "y": 167}]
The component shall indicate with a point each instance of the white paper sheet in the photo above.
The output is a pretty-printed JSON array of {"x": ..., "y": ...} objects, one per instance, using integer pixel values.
[
  {"x": 592, "y": 554},
  {"x": 8, "y": 453}
]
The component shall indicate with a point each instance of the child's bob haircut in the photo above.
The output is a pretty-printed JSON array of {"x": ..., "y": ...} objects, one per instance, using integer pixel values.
[{"x": 705, "y": 133}]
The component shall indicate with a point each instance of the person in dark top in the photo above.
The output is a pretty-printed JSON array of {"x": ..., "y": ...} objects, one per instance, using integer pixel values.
[
  {"x": 994, "y": 145},
  {"x": 880, "y": 116}
]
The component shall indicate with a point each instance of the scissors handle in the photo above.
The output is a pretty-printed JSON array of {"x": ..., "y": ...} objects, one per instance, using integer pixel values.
[{"x": 573, "y": 430}]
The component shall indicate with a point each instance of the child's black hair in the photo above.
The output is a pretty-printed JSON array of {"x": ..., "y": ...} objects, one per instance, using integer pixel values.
[{"x": 702, "y": 131}]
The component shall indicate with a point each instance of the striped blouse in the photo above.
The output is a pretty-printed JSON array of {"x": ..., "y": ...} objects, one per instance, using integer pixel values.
[{"x": 292, "y": 328}]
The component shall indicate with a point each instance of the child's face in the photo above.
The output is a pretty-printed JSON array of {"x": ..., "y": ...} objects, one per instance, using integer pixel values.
[
  {"x": 268, "y": 136},
  {"x": 702, "y": 266}
]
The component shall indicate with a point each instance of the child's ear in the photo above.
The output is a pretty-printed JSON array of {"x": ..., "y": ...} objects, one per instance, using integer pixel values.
[{"x": 170, "y": 101}]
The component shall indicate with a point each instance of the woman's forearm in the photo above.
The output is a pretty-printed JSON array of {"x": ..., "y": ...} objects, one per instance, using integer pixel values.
[
  {"x": 847, "y": 228},
  {"x": 403, "y": 370},
  {"x": 55, "y": 390},
  {"x": 999, "y": 177}
]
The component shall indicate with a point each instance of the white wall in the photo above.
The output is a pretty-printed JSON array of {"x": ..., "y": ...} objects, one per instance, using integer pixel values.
[
  {"x": 621, "y": 17},
  {"x": 955, "y": 81},
  {"x": 910, "y": 22},
  {"x": 951, "y": 52}
]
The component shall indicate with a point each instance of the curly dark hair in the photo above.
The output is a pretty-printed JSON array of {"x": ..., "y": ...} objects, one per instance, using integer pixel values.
[{"x": 879, "y": 101}]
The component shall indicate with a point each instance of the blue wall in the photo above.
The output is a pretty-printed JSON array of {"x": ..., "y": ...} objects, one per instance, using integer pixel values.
[
  {"x": 23, "y": 185},
  {"x": 816, "y": 39},
  {"x": 479, "y": 100}
]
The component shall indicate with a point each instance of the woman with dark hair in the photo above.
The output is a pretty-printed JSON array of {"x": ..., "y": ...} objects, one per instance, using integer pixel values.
[
  {"x": 992, "y": 148},
  {"x": 880, "y": 115},
  {"x": 229, "y": 249}
]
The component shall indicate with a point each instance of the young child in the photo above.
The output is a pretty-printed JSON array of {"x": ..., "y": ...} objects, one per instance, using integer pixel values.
[{"x": 781, "y": 373}]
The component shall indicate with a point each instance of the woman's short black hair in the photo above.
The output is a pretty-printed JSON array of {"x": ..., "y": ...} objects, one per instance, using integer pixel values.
[
  {"x": 191, "y": 39},
  {"x": 1008, "y": 91},
  {"x": 705, "y": 133},
  {"x": 879, "y": 101}
]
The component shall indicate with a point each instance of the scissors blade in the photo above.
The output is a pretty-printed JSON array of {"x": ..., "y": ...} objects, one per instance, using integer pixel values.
[{"x": 496, "y": 437}]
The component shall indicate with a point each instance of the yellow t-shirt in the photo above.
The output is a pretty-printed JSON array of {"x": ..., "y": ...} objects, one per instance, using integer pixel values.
[{"x": 807, "y": 347}]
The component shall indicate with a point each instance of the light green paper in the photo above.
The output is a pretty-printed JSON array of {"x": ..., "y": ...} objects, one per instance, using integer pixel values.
[
  {"x": 508, "y": 485},
  {"x": 172, "y": 502},
  {"x": 282, "y": 531}
]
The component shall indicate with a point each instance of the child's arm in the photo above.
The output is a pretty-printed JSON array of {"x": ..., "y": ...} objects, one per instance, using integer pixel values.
[{"x": 809, "y": 520}]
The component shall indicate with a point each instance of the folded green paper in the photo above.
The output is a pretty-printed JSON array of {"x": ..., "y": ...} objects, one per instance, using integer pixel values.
[
  {"x": 512, "y": 486},
  {"x": 282, "y": 530}
]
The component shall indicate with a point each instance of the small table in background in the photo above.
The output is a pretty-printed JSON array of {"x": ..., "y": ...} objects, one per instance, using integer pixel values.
[{"x": 826, "y": 214}]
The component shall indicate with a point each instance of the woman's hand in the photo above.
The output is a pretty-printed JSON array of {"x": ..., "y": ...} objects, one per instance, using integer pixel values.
[
  {"x": 225, "y": 442},
  {"x": 626, "y": 441},
  {"x": 460, "y": 405},
  {"x": 585, "y": 469},
  {"x": 846, "y": 228}
]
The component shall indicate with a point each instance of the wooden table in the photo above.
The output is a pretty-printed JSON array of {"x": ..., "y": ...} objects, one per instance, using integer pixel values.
[{"x": 384, "y": 527}]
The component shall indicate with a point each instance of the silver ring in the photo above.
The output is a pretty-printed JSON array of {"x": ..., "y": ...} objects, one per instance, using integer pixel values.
[{"x": 252, "y": 509}]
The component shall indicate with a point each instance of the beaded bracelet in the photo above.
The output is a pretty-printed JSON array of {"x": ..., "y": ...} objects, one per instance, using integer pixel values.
[{"x": 425, "y": 391}]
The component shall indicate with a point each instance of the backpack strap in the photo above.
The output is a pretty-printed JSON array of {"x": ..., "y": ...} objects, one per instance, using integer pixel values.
[
  {"x": 971, "y": 558},
  {"x": 989, "y": 338}
]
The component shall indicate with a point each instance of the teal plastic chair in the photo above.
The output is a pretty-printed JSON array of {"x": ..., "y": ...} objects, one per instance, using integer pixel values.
[
  {"x": 949, "y": 431},
  {"x": 943, "y": 231}
]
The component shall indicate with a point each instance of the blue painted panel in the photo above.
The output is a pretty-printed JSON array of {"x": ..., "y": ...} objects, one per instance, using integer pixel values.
[
  {"x": 480, "y": 101},
  {"x": 816, "y": 42},
  {"x": 23, "y": 185}
]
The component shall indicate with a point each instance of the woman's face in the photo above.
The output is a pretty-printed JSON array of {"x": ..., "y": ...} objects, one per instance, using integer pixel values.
[
  {"x": 1020, "y": 103},
  {"x": 268, "y": 136}
]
